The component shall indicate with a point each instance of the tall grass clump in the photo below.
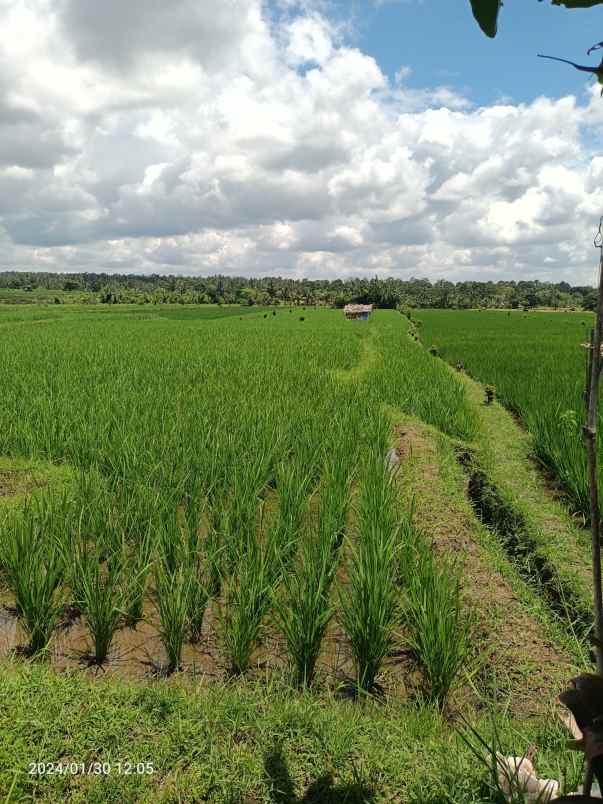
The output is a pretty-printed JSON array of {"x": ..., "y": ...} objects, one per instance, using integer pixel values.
[
  {"x": 335, "y": 497},
  {"x": 232, "y": 518},
  {"x": 212, "y": 551},
  {"x": 172, "y": 596},
  {"x": 437, "y": 625},
  {"x": 200, "y": 563},
  {"x": 260, "y": 554},
  {"x": 304, "y": 609},
  {"x": 247, "y": 596},
  {"x": 198, "y": 599},
  {"x": 100, "y": 596},
  {"x": 194, "y": 560},
  {"x": 33, "y": 565},
  {"x": 133, "y": 526},
  {"x": 369, "y": 599},
  {"x": 181, "y": 589},
  {"x": 137, "y": 561},
  {"x": 247, "y": 480},
  {"x": 294, "y": 479},
  {"x": 88, "y": 526}
]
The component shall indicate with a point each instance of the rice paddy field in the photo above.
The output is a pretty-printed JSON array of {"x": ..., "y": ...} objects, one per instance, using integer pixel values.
[
  {"x": 537, "y": 363},
  {"x": 272, "y": 555}
]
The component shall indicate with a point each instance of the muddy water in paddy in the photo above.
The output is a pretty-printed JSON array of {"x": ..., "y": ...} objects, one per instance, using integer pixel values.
[
  {"x": 138, "y": 652},
  {"x": 134, "y": 652}
]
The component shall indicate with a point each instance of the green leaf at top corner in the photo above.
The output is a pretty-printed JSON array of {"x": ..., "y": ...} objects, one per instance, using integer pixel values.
[
  {"x": 486, "y": 14},
  {"x": 577, "y": 3}
]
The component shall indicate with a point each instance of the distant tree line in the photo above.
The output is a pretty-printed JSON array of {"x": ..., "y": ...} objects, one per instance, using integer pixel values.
[{"x": 389, "y": 293}]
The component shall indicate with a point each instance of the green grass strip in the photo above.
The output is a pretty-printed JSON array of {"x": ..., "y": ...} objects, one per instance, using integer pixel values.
[
  {"x": 249, "y": 742},
  {"x": 547, "y": 536}
]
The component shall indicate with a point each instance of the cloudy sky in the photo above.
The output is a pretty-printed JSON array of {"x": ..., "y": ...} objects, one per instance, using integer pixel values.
[{"x": 318, "y": 138}]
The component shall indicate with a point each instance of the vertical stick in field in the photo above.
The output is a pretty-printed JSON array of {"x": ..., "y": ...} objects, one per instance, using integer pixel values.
[{"x": 590, "y": 437}]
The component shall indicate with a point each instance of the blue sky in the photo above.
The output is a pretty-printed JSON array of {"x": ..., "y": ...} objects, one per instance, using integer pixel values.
[{"x": 440, "y": 41}]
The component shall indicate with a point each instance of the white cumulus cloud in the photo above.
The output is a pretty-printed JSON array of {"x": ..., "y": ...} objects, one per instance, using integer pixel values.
[{"x": 198, "y": 137}]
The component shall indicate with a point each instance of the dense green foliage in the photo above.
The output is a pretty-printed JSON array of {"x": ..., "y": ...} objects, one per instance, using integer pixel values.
[
  {"x": 537, "y": 364},
  {"x": 389, "y": 293}
]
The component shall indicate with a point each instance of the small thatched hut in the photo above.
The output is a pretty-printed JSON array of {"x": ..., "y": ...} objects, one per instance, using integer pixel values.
[{"x": 359, "y": 312}]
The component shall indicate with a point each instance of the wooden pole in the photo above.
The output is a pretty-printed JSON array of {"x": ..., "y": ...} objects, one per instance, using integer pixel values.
[
  {"x": 590, "y": 435},
  {"x": 590, "y": 438}
]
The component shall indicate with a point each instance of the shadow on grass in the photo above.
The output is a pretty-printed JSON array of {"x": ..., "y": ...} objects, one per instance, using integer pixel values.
[
  {"x": 322, "y": 791},
  {"x": 349, "y": 690}
]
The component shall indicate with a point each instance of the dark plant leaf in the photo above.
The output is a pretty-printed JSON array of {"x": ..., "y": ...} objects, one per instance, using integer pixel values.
[
  {"x": 577, "y": 3},
  {"x": 486, "y": 14},
  {"x": 486, "y": 11}
]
